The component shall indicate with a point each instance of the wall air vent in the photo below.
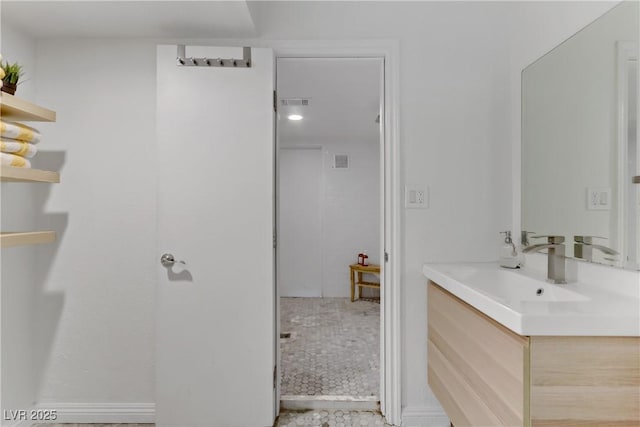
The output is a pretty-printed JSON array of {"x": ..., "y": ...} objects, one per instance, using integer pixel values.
[
  {"x": 295, "y": 102},
  {"x": 341, "y": 161}
]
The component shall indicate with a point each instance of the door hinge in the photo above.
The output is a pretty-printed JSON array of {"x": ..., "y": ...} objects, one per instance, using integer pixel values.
[
  {"x": 386, "y": 257},
  {"x": 275, "y": 375},
  {"x": 275, "y": 101},
  {"x": 275, "y": 239}
]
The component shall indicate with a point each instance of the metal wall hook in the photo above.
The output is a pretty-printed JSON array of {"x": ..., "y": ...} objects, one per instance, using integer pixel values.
[{"x": 182, "y": 60}]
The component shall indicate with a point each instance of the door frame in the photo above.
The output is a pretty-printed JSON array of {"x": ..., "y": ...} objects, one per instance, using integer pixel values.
[
  {"x": 626, "y": 51},
  {"x": 390, "y": 227}
]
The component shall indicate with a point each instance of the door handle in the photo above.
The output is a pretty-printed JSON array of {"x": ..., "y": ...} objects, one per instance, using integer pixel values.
[{"x": 168, "y": 260}]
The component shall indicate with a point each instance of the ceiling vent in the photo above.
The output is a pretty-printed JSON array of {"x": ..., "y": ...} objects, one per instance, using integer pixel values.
[
  {"x": 295, "y": 102},
  {"x": 341, "y": 161}
]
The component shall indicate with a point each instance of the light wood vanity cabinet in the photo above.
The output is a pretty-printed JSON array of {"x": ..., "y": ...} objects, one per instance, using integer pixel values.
[{"x": 483, "y": 374}]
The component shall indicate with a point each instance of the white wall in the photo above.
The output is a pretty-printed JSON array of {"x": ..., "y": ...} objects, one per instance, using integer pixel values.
[
  {"x": 299, "y": 219},
  {"x": 19, "y": 211},
  {"x": 95, "y": 312},
  {"x": 351, "y": 217},
  {"x": 459, "y": 89},
  {"x": 350, "y": 205}
]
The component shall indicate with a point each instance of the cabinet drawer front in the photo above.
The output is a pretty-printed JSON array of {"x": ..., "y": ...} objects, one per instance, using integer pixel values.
[
  {"x": 477, "y": 368},
  {"x": 585, "y": 381}
]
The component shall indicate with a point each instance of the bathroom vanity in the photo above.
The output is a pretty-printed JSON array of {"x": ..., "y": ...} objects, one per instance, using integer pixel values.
[{"x": 509, "y": 349}]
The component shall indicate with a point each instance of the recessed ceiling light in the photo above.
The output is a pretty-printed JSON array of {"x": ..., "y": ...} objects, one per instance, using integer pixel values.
[{"x": 295, "y": 117}]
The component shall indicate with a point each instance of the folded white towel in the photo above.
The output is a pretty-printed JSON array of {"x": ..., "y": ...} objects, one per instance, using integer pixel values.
[
  {"x": 19, "y": 131},
  {"x": 18, "y": 148},
  {"x": 7, "y": 159}
]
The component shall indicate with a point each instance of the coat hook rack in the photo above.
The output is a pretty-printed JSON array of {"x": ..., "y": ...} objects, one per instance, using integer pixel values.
[{"x": 183, "y": 61}]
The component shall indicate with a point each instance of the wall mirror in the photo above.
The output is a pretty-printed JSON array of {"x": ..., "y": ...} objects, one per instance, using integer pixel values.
[{"x": 580, "y": 156}]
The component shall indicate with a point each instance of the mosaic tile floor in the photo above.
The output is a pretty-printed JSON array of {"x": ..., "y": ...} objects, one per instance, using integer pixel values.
[
  {"x": 94, "y": 425},
  {"x": 287, "y": 419},
  {"x": 330, "y": 418},
  {"x": 334, "y": 347}
]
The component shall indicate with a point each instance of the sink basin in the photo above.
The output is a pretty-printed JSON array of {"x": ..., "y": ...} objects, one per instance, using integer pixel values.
[
  {"x": 513, "y": 287},
  {"x": 529, "y": 305}
]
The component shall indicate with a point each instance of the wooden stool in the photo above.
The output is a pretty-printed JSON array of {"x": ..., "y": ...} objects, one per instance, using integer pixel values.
[{"x": 357, "y": 268}]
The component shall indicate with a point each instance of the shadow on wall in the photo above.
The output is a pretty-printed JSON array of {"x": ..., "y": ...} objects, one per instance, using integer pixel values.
[
  {"x": 179, "y": 273},
  {"x": 48, "y": 305}
]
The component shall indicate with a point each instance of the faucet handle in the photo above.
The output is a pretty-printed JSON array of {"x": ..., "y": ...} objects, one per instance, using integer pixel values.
[
  {"x": 588, "y": 240},
  {"x": 551, "y": 239},
  {"x": 524, "y": 237}
]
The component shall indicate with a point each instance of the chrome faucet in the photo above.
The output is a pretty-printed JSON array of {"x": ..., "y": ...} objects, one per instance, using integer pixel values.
[
  {"x": 583, "y": 247},
  {"x": 555, "y": 257}
]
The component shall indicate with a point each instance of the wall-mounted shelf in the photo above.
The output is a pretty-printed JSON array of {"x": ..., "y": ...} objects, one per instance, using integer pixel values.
[
  {"x": 16, "y": 109},
  {"x": 8, "y": 239},
  {"x": 11, "y": 174},
  {"x": 13, "y": 108},
  {"x": 636, "y": 179}
]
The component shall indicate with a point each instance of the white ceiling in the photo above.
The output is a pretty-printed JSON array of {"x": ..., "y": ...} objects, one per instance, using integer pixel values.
[
  {"x": 118, "y": 18},
  {"x": 344, "y": 92},
  {"x": 345, "y": 100}
]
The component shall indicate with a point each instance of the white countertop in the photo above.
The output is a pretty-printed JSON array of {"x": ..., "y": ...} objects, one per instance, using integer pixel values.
[{"x": 513, "y": 299}]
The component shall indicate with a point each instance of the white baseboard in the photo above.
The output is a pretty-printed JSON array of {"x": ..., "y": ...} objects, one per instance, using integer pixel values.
[
  {"x": 104, "y": 413},
  {"x": 413, "y": 416}
]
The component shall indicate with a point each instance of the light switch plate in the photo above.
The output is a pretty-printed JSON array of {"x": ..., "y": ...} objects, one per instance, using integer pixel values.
[
  {"x": 599, "y": 199},
  {"x": 416, "y": 197}
]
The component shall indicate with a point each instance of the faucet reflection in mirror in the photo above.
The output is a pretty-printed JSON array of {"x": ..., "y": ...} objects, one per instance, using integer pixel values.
[
  {"x": 583, "y": 247},
  {"x": 579, "y": 141}
]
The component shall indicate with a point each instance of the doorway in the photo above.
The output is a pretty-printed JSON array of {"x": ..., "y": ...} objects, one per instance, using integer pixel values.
[{"x": 330, "y": 181}]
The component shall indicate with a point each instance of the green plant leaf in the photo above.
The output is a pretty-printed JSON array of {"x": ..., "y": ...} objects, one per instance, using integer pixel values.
[{"x": 13, "y": 72}]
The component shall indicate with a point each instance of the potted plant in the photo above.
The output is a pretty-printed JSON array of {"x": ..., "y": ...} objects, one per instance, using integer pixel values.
[{"x": 12, "y": 73}]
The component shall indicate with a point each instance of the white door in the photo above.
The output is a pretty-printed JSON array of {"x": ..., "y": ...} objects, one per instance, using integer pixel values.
[
  {"x": 215, "y": 314},
  {"x": 299, "y": 240}
]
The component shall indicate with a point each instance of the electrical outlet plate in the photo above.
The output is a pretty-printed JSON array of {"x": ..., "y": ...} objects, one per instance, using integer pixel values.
[
  {"x": 416, "y": 197},
  {"x": 598, "y": 199}
]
